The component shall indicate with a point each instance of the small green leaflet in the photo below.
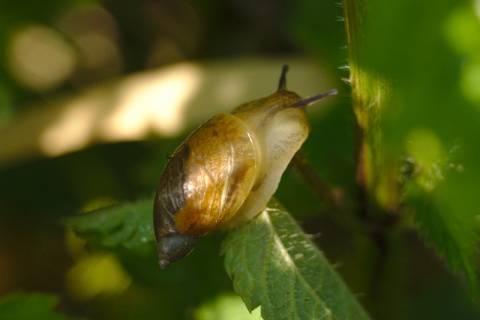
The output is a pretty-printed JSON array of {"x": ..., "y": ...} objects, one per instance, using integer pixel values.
[
  {"x": 450, "y": 232},
  {"x": 128, "y": 225},
  {"x": 275, "y": 265}
]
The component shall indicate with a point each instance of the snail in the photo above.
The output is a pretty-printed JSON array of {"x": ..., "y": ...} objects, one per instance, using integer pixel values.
[{"x": 227, "y": 170}]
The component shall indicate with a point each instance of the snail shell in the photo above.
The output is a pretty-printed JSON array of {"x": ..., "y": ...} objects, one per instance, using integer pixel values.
[{"x": 227, "y": 170}]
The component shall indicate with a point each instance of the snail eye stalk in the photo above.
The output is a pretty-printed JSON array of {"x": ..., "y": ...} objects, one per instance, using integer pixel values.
[{"x": 282, "y": 83}]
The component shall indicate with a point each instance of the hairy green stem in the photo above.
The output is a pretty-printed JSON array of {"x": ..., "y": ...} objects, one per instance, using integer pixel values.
[{"x": 375, "y": 178}]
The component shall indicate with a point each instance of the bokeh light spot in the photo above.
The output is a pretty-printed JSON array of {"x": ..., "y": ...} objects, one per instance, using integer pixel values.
[
  {"x": 40, "y": 58},
  {"x": 226, "y": 306},
  {"x": 72, "y": 130},
  {"x": 424, "y": 146},
  {"x": 95, "y": 275},
  {"x": 156, "y": 99}
]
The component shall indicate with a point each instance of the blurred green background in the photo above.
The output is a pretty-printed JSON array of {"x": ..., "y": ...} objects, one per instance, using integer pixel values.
[{"x": 95, "y": 94}]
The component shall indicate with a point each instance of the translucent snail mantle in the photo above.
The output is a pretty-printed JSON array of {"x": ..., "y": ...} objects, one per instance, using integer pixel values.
[{"x": 226, "y": 171}]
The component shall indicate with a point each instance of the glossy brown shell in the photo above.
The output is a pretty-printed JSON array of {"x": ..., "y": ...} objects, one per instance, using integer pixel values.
[{"x": 208, "y": 178}]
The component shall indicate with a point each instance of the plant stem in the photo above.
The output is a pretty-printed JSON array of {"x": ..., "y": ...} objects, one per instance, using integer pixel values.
[
  {"x": 359, "y": 85},
  {"x": 375, "y": 175},
  {"x": 334, "y": 200}
]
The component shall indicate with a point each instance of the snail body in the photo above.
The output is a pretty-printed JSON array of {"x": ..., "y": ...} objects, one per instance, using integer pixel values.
[{"x": 226, "y": 171}]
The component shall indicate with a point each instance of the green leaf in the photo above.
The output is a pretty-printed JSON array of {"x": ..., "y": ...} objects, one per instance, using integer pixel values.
[
  {"x": 453, "y": 238},
  {"x": 30, "y": 306},
  {"x": 273, "y": 263},
  {"x": 127, "y": 225}
]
